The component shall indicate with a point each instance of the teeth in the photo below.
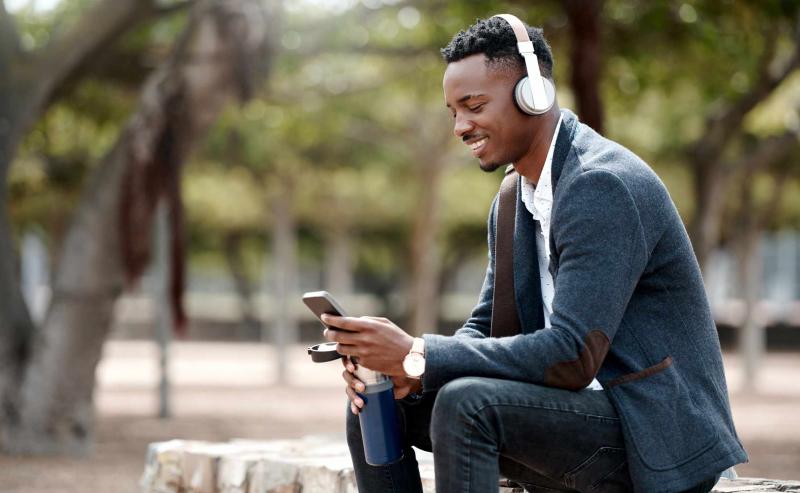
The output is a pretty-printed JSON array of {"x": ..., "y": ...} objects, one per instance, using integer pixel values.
[{"x": 475, "y": 145}]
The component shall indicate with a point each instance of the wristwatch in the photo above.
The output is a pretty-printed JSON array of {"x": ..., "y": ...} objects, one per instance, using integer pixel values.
[{"x": 414, "y": 362}]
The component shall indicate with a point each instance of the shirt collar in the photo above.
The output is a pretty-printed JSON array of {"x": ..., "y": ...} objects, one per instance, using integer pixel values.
[{"x": 539, "y": 200}]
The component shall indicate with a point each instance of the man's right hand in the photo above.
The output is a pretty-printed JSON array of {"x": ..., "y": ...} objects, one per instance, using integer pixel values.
[
  {"x": 353, "y": 385},
  {"x": 402, "y": 386}
]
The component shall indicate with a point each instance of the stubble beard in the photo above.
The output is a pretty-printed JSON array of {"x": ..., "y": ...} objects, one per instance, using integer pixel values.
[{"x": 489, "y": 167}]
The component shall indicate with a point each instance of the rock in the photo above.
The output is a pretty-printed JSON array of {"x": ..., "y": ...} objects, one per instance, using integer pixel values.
[
  {"x": 313, "y": 464},
  {"x": 755, "y": 485}
]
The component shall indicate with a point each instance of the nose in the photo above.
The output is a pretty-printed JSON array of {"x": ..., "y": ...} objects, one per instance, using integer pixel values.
[{"x": 461, "y": 126}]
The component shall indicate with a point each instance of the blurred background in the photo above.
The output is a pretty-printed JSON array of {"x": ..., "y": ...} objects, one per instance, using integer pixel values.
[{"x": 174, "y": 174}]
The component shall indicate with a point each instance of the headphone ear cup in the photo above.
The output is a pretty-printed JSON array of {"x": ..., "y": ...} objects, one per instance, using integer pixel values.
[{"x": 523, "y": 96}]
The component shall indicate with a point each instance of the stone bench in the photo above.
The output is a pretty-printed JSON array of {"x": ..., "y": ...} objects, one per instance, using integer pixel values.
[{"x": 314, "y": 464}]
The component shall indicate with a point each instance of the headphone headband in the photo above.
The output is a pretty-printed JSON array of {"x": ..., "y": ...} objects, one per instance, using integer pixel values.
[
  {"x": 540, "y": 99},
  {"x": 519, "y": 31}
]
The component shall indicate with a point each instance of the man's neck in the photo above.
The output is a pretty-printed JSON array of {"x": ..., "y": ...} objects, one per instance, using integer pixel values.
[{"x": 530, "y": 166}]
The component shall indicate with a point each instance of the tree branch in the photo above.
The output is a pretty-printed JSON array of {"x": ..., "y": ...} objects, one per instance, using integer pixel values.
[
  {"x": 768, "y": 151},
  {"x": 586, "y": 58},
  {"x": 776, "y": 198},
  {"x": 9, "y": 39},
  {"x": 318, "y": 33},
  {"x": 308, "y": 52},
  {"x": 175, "y": 7},
  {"x": 720, "y": 127},
  {"x": 69, "y": 54},
  {"x": 117, "y": 64}
]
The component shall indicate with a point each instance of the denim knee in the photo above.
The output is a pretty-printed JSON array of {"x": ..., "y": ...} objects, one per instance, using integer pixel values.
[{"x": 456, "y": 406}]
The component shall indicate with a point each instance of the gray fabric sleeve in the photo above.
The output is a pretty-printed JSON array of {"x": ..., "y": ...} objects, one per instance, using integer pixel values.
[{"x": 600, "y": 243}]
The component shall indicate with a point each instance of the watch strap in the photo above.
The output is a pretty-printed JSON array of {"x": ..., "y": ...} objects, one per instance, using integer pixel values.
[{"x": 418, "y": 346}]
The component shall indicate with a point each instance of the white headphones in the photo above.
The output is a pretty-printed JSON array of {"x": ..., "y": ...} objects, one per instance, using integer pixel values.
[{"x": 533, "y": 94}]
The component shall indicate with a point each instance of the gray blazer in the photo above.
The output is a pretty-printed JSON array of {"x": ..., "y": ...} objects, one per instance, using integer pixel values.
[{"x": 629, "y": 309}]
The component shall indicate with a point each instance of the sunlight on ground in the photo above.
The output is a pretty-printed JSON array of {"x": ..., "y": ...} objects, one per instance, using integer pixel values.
[
  {"x": 207, "y": 376},
  {"x": 230, "y": 390}
]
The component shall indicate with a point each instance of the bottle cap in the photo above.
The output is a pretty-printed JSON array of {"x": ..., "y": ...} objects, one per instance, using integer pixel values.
[{"x": 322, "y": 353}]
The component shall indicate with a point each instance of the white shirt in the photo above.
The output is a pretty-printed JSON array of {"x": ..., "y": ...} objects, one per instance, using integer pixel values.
[{"x": 539, "y": 202}]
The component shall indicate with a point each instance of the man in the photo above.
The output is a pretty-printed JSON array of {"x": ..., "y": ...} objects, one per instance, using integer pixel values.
[{"x": 615, "y": 382}]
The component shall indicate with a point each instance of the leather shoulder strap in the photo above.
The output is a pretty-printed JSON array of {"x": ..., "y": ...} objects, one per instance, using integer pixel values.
[{"x": 505, "y": 320}]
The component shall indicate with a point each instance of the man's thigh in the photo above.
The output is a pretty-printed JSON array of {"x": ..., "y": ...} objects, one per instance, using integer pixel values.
[
  {"x": 546, "y": 437},
  {"x": 415, "y": 416}
]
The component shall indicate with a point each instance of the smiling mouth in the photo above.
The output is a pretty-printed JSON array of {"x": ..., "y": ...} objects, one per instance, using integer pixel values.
[{"x": 476, "y": 146}]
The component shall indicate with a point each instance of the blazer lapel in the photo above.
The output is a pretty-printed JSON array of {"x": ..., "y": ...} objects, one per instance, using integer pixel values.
[
  {"x": 566, "y": 134},
  {"x": 527, "y": 285},
  {"x": 569, "y": 122}
]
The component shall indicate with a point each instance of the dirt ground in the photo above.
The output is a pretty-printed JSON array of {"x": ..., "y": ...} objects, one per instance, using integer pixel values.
[{"x": 228, "y": 390}]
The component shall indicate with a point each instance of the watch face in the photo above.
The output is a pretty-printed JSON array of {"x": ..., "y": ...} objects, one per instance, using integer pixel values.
[{"x": 414, "y": 364}]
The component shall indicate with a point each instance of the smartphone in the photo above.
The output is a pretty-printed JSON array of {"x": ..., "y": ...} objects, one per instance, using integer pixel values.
[{"x": 321, "y": 302}]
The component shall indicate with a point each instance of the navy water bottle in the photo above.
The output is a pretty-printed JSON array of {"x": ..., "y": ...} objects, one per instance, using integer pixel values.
[{"x": 380, "y": 425}]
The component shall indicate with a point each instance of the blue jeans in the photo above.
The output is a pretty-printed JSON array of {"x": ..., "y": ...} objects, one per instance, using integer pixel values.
[{"x": 543, "y": 438}]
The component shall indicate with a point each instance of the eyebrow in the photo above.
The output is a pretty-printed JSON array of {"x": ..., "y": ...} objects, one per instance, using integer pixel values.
[{"x": 467, "y": 97}]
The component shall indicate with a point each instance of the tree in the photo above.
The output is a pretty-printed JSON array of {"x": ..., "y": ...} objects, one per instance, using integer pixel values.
[
  {"x": 586, "y": 59},
  {"x": 215, "y": 60},
  {"x": 690, "y": 78},
  {"x": 713, "y": 168},
  {"x": 29, "y": 84},
  {"x": 750, "y": 218}
]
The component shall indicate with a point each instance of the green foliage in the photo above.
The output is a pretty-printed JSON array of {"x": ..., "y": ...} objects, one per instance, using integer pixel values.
[
  {"x": 57, "y": 156},
  {"x": 672, "y": 63},
  {"x": 353, "y": 113},
  {"x": 37, "y": 28},
  {"x": 223, "y": 199}
]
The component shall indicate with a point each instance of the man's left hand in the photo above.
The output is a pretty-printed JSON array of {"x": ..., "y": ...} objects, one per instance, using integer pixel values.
[
  {"x": 404, "y": 385},
  {"x": 377, "y": 342}
]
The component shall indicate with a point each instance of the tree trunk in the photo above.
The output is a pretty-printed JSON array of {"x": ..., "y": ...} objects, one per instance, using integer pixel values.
[
  {"x": 29, "y": 83},
  {"x": 431, "y": 158},
  {"x": 586, "y": 59},
  {"x": 284, "y": 251},
  {"x": 16, "y": 325},
  {"x": 426, "y": 261},
  {"x": 751, "y": 221},
  {"x": 232, "y": 246},
  {"x": 56, "y": 403},
  {"x": 752, "y": 341},
  {"x": 205, "y": 71},
  {"x": 339, "y": 262},
  {"x": 714, "y": 178},
  {"x": 749, "y": 267},
  {"x": 709, "y": 194}
]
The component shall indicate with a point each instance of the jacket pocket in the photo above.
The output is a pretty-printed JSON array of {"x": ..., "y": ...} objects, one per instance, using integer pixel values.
[
  {"x": 650, "y": 370},
  {"x": 605, "y": 464},
  {"x": 660, "y": 418}
]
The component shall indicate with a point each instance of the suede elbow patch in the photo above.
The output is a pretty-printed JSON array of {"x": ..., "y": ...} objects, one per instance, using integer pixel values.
[{"x": 578, "y": 373}]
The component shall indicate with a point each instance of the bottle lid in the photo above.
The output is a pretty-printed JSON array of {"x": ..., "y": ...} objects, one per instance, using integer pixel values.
[{"x": 322, "y": 353}]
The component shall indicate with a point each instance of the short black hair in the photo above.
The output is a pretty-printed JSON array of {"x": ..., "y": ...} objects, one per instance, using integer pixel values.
[{"x": 494, "y": 38}]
